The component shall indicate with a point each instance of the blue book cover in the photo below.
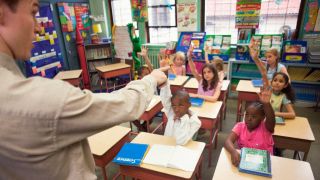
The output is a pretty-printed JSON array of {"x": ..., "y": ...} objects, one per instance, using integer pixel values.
[
  {"x": 171, "y": 76},
  {"x": 257, "y": 83},
  {"x": 255, "y": 161},
  {"x": 131, "y": 154},
  {"x": 279, "y": 120},
  {"x": 196, "y": 101}
]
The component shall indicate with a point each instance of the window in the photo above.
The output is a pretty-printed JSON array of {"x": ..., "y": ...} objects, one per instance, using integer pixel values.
[
  {"x": 162, "y": 22},
  {"x": 220, "y": 17},
  {"x": 121, "y": 13},
  {"x": 274, "y": 16}
]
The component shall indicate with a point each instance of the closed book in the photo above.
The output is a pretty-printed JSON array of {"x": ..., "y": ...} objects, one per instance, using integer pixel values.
[
  {"x": 197, "y": 102},
  {"x": 257, "y": 83},
  {"x": 131, "y": 154},
  {"x": 279, "y": 120},
  {"x": 171, "y": 76},
  {"x": 255, "y": 161}
]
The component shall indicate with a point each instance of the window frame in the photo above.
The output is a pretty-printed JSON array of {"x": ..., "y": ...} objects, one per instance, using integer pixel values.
[
  {"x": 297, "y": 29},
  {"x": 157, "y": 27}
]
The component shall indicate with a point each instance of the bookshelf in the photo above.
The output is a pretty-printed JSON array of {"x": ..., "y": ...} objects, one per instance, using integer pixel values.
[
  {"x": 305, "y": 78},
  {"x": 97, "y": 55}
]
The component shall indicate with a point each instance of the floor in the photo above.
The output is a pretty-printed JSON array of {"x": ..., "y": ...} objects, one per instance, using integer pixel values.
[{"x": 207, "y": 173}]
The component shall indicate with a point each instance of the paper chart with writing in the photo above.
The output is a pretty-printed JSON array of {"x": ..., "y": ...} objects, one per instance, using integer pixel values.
[
  {"x": 187, "y": 16},
  {"x": 122, "y": 42}
]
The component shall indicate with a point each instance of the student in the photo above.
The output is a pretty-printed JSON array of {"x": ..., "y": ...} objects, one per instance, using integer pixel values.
[
  {"x": 182, "y": 122},
  {"x": 218, "y": 63},
  {"x": 256, "y": 129},
  {"x": 45, "y": 123},
  {"x": 272, "y": 65},
  {"x": 144, "y": 70},
  {"x": 209, "y": 85},
  {"x": 282, "y": 93},
  {"x": 282, "y": 96},
  {"x": 177, "y": 67}
]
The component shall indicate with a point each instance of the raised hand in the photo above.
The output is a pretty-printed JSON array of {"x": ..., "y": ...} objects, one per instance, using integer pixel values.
[
  {"x": 253, "y": 49},
  {"x": 265, "y": 94},
  {"x": 144, "y": 52},
  {"x": 190, "y": 50}
]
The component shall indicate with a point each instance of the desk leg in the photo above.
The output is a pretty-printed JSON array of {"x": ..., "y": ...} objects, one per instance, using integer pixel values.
[{"x": 104, "y": 173}]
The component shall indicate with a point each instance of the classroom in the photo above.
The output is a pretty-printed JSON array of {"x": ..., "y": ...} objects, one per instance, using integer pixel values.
[{"x": 160, "y": 89}]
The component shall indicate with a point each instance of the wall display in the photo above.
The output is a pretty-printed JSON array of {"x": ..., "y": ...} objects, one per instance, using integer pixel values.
[
  {"x": 46, "y": 59},
  {"x": 311, "y": 17},
  {"x": 218, "y": 45},
  {"x": 122, "y": 42},
  {"x": 194, "y": 38},
  {"x": 139, "y": 10},
  {"x": 248, "y": 13},
  {"x": 187, "y": 15},
  {"x": 294, "y": 52},
  {"x": 82, "y": 16},
  {"x": 67, "y": 17}
]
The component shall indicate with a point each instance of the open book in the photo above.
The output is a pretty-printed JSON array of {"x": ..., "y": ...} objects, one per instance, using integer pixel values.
[{"x": 177, "y": 157}]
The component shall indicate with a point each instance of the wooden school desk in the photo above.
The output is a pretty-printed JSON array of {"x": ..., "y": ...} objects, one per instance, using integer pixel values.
[
  {"x": 106, "y": 144},
  {"x": 113, "y": 70},
  {"x": 148, "y": 171},
  {"x": 192, "y": 87},
  {"x": 246, "y": 92},
  {"x": 295, "y": 134},
  {"x": 153, "y": 108},
  {"x": 209, "y": 115},
  {"x": 177, "y": 83},
  {"x": 74, "y": 77},
  {"x": 281, "y": 169}
]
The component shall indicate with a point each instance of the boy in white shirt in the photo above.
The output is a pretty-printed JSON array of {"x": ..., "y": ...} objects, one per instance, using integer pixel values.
[{"x": 182, "y": 122}]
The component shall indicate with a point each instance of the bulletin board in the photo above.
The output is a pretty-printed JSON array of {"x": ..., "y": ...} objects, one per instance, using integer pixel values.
[{"x": 46, "y": 59}]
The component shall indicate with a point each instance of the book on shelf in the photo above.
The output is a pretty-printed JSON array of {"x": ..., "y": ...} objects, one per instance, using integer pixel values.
[
  {"x": 197, "y": 102},
  {"x": 257, "y": 82},
  {"x": 177, "y": 157},
  {"x": 279, "y": 120},
  {"x": 255, "y": 161},
  {"x": 131, "y": 154}
]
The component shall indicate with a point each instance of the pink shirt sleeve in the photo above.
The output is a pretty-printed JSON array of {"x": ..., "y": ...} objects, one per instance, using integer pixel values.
[{"x": 238, "y": 128}]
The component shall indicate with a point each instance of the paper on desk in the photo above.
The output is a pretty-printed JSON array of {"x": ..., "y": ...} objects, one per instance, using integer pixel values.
[
  {"x": 177, "y": 157},
  {"x": 159, "y": 155},
  {"x": 184, "y": 159}
]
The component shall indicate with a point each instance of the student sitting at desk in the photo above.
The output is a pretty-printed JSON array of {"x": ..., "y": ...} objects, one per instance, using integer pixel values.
[
  {"x": 272, "y": 64},
  {"x": 182, "y": 122},
  {"x": 256, "y": 129},
  {"x": 209, "y": 85},
  {"x": 218, "y": 63}
]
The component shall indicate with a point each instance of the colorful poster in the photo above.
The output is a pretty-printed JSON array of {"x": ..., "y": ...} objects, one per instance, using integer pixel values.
[
  {"x": 139, "y": 10},
  {"x": 67, "y": 17},
  {"x": 187, "y": 15},
  {"x": 82, "y": 16},
  {"x": 46, "y": 58},
  {"x": 248, "y": 13}
]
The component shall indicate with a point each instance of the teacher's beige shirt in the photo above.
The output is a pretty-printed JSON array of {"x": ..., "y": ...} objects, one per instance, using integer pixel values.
[{"x": 44, "y": 123}]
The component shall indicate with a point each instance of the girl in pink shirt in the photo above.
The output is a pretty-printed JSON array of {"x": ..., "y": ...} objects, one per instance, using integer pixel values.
[
  {"x": 256, "y": 129},
  {"x": 209, "y": 85}
]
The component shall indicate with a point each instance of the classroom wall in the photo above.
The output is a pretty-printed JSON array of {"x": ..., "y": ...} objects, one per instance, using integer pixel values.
[{"x": 68, "y": 48}]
